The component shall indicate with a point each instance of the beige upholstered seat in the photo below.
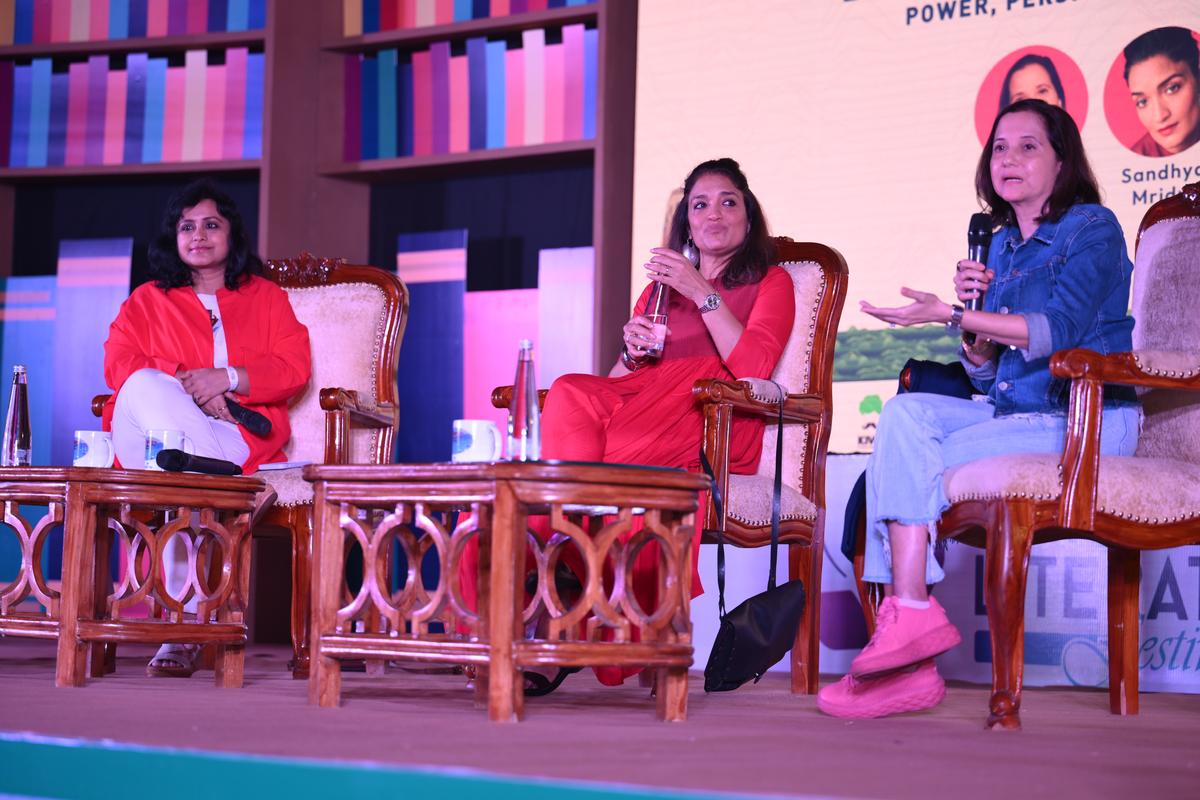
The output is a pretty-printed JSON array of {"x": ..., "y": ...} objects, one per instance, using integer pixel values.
[
  {"x": 347, "y": 415},
  {"x": 805, "y": 371}
]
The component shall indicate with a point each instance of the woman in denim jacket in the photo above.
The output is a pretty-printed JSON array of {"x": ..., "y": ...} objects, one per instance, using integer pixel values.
[{"x": 1058, "y": 278}]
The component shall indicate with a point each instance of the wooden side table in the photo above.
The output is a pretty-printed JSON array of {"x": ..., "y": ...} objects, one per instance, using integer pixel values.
[
  {"x": 451, "y": 504},
  {"x": 143, "y": 510}
]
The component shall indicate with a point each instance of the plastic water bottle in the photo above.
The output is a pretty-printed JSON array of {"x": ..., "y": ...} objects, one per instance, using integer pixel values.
[
  {"x": 524, "y": 417},
  {"x": 18, "y": 450}
]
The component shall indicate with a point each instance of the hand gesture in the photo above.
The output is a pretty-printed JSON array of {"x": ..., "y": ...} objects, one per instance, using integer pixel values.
[
  {"x": 637, "y": 335},
  {"x": 971, "y": 280},
  {"x": 925, "y": 308},
  {"x": 671, "y": 268},
  {"x": 218, "y": 409},
  {"x": 204, "y": 384}
]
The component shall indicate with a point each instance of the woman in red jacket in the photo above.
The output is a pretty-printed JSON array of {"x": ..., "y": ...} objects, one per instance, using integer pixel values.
[{"x": 205, "y": 330}]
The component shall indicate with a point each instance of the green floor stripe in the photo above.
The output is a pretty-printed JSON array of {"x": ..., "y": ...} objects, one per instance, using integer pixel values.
[{"x": 43, "y": 767}]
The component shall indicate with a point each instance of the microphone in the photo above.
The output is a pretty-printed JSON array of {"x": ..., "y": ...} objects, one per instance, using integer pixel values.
[
  {"x": 173, "y": 460},
  {"x": 252, "y": 421},
  {"x": 979, "y": 238}
]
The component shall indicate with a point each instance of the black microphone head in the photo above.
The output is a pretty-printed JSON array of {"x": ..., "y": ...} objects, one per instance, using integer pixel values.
[
  {"x": 172, "y": 460},
  {"x": 979, "y": 232}
]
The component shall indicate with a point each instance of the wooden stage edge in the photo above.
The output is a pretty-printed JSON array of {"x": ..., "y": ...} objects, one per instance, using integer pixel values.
[{"x": 407, "y": 727}]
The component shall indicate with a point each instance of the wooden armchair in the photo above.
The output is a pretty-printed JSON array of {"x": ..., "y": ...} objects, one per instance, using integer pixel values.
[
  {"x": 805, "y": 370},
  {"x": 1150, "y": 500},
  {"x": 355, "y": 317}
]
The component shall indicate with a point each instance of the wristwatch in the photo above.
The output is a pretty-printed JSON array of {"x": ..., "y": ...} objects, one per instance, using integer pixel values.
[
  {"x": 956, "y": 315},
  {"x": 711, "y": 303}
]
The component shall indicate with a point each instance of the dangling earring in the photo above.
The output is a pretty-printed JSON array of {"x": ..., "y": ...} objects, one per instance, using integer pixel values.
[{"x": 690, "y": 252}]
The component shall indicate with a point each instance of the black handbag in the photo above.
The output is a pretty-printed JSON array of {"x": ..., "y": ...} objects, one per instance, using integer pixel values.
[{"x": 759, "y": 632}]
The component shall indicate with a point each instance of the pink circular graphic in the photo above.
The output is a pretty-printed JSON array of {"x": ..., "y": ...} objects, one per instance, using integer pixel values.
[
  {"x": 1118, "y": 106},
  {"x": 1074, "y": 89}
]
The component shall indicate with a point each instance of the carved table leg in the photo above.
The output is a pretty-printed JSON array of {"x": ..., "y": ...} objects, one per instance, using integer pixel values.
[
  {"x": 506, "y": 697},
  {"x": 328, "y": 565},
  {"x": 100, "y": 652},
  {"x": 301, "y": 524},
  {"x": 79, "y": 552}
]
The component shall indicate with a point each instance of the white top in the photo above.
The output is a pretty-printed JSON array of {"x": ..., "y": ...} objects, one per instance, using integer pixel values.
[{"x": 220, "y": 347}]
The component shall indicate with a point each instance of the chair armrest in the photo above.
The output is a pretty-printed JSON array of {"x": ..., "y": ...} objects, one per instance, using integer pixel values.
[
  {"x": 1149, "y": 368},
  {"x": 502, "y": 397},
  {"x": 1089, "y": 371},
  {"x": 343, "y": 408},
  {"x": 98, "y": 403},
  {"x": 377, "y": 416},
  {"x": 740, "y": 396}
]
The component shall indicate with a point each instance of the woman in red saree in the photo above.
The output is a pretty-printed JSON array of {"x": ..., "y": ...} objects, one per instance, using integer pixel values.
[{"x": 729, "y": 318}]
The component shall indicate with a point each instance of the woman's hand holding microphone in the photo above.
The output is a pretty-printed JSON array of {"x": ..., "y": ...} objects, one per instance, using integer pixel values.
[{"x": 971, "y": 280}]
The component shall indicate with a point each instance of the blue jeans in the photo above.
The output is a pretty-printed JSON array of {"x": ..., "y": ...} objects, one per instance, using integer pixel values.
[{"x": 921, "y": 435}]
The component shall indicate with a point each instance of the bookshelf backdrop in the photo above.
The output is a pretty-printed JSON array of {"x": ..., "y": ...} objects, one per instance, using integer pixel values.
[
  {"x": 61, "y": 21},
  {"x": 375, "y": 16}
]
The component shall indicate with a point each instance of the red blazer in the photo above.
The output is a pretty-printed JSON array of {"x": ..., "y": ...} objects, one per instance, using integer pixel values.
[{"x": 170, "y": 330}]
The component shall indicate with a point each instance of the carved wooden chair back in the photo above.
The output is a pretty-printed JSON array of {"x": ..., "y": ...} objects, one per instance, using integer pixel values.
[
  {"x": 348, "y": 414},
  {"x": 805, "y": 371}
]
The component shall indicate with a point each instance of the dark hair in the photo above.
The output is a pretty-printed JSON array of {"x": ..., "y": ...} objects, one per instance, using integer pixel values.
[
  {"x": 169, "y": 271},
  {"x": 749, "y": 263},
  {"x": 1174, "y": 42},
  {"x": 1075, "y": 182},
  {"x": 1029, "y": 60}
]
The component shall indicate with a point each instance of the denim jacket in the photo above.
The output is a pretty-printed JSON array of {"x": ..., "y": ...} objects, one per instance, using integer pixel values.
[{"x": 1070, "y": 280}]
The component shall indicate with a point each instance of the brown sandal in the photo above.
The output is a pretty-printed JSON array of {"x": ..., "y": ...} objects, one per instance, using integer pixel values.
[{"x": 174, "y": 661}]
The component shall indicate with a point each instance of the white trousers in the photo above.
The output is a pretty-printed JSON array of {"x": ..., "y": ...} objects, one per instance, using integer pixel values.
[{"x": 153, "y": 400}]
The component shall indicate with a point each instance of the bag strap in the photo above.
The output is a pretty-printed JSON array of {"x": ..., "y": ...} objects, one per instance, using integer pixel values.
[{"x": 776, "y": 508}]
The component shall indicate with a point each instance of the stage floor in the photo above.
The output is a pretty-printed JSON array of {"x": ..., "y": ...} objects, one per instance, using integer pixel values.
[{"x": 757, "y": 740}]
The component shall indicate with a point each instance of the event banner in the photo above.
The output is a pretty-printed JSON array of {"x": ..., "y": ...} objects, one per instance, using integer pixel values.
[{"x": 859, "y": 124}]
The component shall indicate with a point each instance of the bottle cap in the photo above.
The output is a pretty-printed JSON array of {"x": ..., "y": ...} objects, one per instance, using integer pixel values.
[
  {"x": 18, "y": 369},
  {"x": 524, "y": 344}
]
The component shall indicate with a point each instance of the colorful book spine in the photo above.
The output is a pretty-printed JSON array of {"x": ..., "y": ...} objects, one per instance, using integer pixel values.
[
  {"x": 533, "y": 43},
  {"x": 255, "y": 67},
  {"x": 197, "y": 16},
  {"x": 404, "y": 110},
  {"x": 554, "y": 82},
  {"x": 23, "y": 22},
  {"x": 60, "y": 21},
  {"x": 39, "y": 112},
  {"x": 56, "y": 147},
  {"x": 157, "y": 13},
  {"x": 477, "y": 80},
  {"x": 370, "y": 107},
  {"x": 118, "y": 19},
  {"x": 8, "y": 23},
  {"x": 77, "y": 108},
  {"x": 18, "y": 153},
  {"x": 422, "y": 115},
  {"x": 514, "y": 87},
  {"x": 573, "y": 82},
  {"x": 370, "y": 16},
  {"x": 388, "y": 15},
  {"x": 154, "y": 111},
  {"x": 114, "y": 117},
  {"x": 234, "y": 112},
  {"x": 213, "y": 148},
  {"x": 460, "y": 105},
  {"x": 177, "y": 17},
  {"x": 443, "y": 12},
  {"x": 97, "y": 107},
  {"x": 41, "y": 21},
  {"x": 257, "y": 17},
  {"x": 195, "y": 66},
  {"x": 386, "y": 64},
  {"x": 495, "y": 95},
  {"x": 135, "y": 106},
  {"x": 424, "y": 13},
  {"x": 591, "y": 44},
  {"x": 218, "y": 15},
  {"x": 238, "y": 18},
  {"x": 173, "y": 100},
  {"x": 439, "y": 53},
  {"x": 352, "y": 17},
  {"x": 138, "y": 11}
]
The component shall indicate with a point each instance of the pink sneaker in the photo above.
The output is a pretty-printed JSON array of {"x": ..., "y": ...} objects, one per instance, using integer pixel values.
[
  {"x": 912, "y": 689},
  {"x": 904, "y": 636}
]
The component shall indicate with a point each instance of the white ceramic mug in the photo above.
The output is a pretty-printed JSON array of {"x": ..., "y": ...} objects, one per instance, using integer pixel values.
[
  {"x": 475, "y": 440},
  {"x": 158, "y": 440},
  {"x": 93, "y": 449}
]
